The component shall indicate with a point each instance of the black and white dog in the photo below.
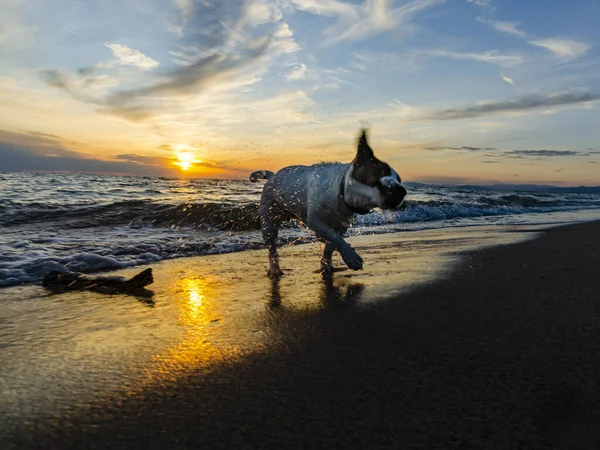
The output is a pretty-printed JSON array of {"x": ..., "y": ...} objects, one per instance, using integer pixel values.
[{"x": 327, "y": 197}]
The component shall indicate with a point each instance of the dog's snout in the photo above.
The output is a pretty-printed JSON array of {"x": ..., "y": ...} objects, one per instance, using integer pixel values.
[
  {"x": 394, "y": 196},
  {"x": 401, "y": 191},
  {"x": 397, "y": 192}
]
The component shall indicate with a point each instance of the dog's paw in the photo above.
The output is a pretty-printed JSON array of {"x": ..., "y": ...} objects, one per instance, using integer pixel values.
[{"x": 352, "y": 259}]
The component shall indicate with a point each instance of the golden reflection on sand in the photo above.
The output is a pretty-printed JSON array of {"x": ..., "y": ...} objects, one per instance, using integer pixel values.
[
  {"x": 198, "y": 302},
  {"x": 196, "y": 310}
]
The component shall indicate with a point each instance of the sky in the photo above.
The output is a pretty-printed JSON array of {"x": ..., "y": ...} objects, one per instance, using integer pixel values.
[{"x": 452, "y": 91}]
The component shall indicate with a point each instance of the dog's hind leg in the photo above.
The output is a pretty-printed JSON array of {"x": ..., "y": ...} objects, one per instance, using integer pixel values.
[{"x": 270, "y": 230}]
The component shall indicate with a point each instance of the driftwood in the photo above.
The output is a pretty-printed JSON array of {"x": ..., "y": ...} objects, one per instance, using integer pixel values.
[{"x": 58, "y": 282}]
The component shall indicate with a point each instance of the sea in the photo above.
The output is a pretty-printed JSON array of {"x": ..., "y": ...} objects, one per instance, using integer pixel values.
[{"x": 94, "y": 223}]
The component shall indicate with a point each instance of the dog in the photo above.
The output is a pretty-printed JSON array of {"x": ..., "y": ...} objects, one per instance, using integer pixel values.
[{"x": 327, "y": 197}]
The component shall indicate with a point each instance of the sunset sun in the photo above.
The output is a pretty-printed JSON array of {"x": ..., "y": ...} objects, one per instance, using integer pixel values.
[{"x": 185, "y": 160}]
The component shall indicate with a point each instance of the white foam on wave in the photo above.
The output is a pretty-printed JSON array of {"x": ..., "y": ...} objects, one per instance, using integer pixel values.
[
  {"x": 426, "y": 213},
  {"x": 105, "y": 249}
]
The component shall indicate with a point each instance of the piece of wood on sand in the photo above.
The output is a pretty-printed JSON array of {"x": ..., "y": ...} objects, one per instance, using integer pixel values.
[{"x": 58, "y": 282}]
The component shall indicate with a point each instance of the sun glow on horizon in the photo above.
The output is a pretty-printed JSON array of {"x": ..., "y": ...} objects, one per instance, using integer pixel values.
[{"x": 185, "y": 160}]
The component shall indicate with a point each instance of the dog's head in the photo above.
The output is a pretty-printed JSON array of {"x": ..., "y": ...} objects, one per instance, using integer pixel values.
[{"x": 376, "y": 178}]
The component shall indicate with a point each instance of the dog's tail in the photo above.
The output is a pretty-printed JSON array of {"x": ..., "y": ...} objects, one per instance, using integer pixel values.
[{"x": 261, "y": 175}]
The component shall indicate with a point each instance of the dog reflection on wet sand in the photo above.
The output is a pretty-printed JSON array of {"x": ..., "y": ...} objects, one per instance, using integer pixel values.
[{"x": 331, "y": 295}]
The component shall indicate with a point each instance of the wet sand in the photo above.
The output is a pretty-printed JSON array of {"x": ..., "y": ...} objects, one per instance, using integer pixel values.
[{"x": 438, "y": 343}]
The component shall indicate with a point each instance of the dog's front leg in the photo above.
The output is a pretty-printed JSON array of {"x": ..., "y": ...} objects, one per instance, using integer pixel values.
[
  {"x": 329, "y": 235},
  {"x": 326, "y": 263}
]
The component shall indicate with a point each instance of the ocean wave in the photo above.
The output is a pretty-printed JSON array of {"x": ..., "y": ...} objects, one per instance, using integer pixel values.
[
  {"x": 526, "y": 201},
  {"x": 96, "y": 223},
  {"x": 428, "y": 211},
  {"x": 244, "y": 217},
  {"x": 134, "y": 212}
]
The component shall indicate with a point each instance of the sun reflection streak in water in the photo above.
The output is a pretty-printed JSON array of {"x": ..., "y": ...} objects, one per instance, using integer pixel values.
[
  {"x": 201, "y": 344},
  {"x": 196, "y": 309}
]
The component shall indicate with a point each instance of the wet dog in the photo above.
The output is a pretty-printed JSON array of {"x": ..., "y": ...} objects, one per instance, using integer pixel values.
[{"x": 327, "y": 197}]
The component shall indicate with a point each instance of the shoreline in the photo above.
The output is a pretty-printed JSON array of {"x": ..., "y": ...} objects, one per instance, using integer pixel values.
[
  {"x": 309, "y": 244},
  {"x": 190, "y": 244},
  {"x": 497, "y": 350}
]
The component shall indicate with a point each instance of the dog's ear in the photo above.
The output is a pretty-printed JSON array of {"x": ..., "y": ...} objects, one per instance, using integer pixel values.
[{"x": 364, "y": 153}]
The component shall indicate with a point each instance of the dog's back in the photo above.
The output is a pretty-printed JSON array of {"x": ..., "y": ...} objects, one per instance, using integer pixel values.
[{"x": 301, "y": 189}]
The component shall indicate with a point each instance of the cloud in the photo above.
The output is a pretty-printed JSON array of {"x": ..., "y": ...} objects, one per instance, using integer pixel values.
[
  {"x": 129, "y": 57},
  {"x": 34, "y": 151},
  {"x": 360, "y": 21},
  {"x": 491, "y": 57},
  {"x": 222, "y": 26},
  {"x": 220, "y": 46},
  {"x": 283, "y": 41},
  {"x": 566, "y": 49},
  {"x": 514, "y": 154},
  {"x": 563, "y": 48},
  {"x": 358, "y": 66},
  {"x": 30, "y": 151},
  {"x": 288, "y": 108},
  {"x": 298, "y": 73},
  {"x": 549, "y": 153},
  {"x": 186, "y": 7},
  {"x": 524, "y": 103},
  {"x": 503, "y": 27},
  {"x": 62, "y": 81},
  {"x": 86, "y": 71},
  {"x": 484, "y": 3},
  {"x": 197, "y": 76},
  {"x": 144, "y": 160},
  {"x": 162, "y": 163},
  {"x": 261, "y": 12},
  {"x": 448, "y": 180},
  {"x": 465, "y": 148},
  {"x": 407, "y": 61},
  {"x": 509, "y": 80}
]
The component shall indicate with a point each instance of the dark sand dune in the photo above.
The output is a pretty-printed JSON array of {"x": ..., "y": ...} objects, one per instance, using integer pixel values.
[{"x": 504, "y": 353}]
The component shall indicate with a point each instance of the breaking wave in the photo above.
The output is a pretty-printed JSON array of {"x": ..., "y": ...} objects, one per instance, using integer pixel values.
[
  {"x": 95, "y": 223},
  {"x": 224, "y": 216},
  {"x": 133, "y": 212}
]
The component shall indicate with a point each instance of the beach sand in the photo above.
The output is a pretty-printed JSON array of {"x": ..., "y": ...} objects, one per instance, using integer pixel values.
[{"x": 482, "y": 337}]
